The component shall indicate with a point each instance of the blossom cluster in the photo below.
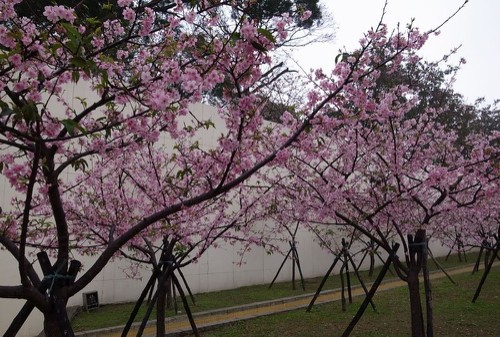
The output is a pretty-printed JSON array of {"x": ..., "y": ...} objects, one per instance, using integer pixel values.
[{"x": 56, "y": 13}]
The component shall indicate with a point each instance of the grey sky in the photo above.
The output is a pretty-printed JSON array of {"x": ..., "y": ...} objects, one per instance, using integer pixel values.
[{"x": 476, "y": 28}]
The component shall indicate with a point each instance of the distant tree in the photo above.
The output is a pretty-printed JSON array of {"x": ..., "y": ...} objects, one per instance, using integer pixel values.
[
  {"x": 433, "y": 90},
  {"x": 263, "y": 11}
]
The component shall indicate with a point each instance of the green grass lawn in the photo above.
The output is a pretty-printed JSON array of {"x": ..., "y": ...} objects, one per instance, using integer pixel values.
[
  {"x": 113, "y": 315},
  {"x": 454, "y": 314}
]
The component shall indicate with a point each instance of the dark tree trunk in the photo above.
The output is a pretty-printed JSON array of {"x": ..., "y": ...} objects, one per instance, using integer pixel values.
[
  {"x": 416, "y": 256},
  {"x": 478, "y": 260},
  {"x": 417, "y": 318},
  {"x": 56, "y": 322},
  {"x": 51, "y": 326},
  {"x": 344, "y": 307},
  {"x": 170, "y": 296},
  {"x": 161, "y": 306},
  {"x": 428, "y": 293},
  {"x": 487, "y": 257},
  {"x": 372, "y": 263}
]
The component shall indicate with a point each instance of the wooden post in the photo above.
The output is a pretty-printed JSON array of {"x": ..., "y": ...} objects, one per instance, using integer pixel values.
[
  {"x": 279, "y": 269},
  {"x": 346, "y": 265},
  {"x": 186, "y": 306},
  {"x": 373, "y": 290},
  {"x": 323, "y": 281},
  {"x": 298, "y": 267},
  {"x": 486, "y": 272},
  {"x": 342, "y": 287},
  {"x": 428, "y": 292},
  {"x": 356, "y": 272},
  {"x": 138, "y": 304}
]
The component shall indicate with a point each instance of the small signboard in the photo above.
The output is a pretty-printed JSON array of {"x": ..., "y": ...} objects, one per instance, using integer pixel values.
[{"x": 90, "y": 301}]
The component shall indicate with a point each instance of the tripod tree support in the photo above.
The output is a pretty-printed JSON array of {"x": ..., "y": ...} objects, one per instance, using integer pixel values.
[
  {"x": 163, "y": 275},
  {"x": 323, "y": 281},
  {"x": 487, "y": 270},
  {"x": 372, "y": 291},
  {"x": 438, "y": 265},
  {"x": 295, "y": 259},
  {"x": 459, "y": 245},
  {"x": 346, "y": 258}
]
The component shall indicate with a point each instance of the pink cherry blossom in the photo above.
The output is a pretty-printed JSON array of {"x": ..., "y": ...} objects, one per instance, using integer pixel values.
[
  {"x": 129, "y": 14},
  {"x": 305, "y": 15},
  {"x": 56, "y": 13}
]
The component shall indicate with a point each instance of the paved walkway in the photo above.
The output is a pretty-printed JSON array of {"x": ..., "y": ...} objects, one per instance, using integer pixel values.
[{"x": 175, "y": 326}]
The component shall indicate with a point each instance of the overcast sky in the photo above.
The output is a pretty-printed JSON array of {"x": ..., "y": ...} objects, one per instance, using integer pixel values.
[{"x": 476, "y": 27}]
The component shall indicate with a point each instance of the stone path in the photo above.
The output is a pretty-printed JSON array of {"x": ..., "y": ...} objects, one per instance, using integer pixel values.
[{"x": 178, "y": 325}]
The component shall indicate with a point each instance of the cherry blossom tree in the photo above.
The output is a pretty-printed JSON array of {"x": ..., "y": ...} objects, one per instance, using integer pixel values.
[
  {"x": 96, "y": 173},
  {"x": 406, "y": 179},
  {"x": 479, "y": 227},
  {"x": 371, "y": 164}
]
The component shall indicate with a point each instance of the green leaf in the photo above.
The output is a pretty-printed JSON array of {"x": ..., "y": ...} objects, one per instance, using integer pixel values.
[
  {"x": 71, "y": 30},
  {"x": 29, "y": 112},
  {"x": 181, "y": 174},
  {"x": 54, "y": 48},
  {"x": 80, "y": 164},
  {"x": 16, "y": 34},
  {"x": 78, "y": 62},
  {"x": 75, "y": 76},
  {"x": 104, "y": 78},
  {"x": 267, "y": 34},
  {"x": 74, "y": 36},
  {"x": 337, "y": 58},
  {"x": 194, "y": 146},
  {"x": 341, "y": 57},
  {"x": 208, "y": 124},
  {"x": 88, "y": 66},
  {"x": 71, "y": 125},
  {"x": 93, "y": 21},
  {"x": 259, "y": 47},
  {"x": 6, "y": 109},
  {"x": 83, "y": 102},
  {"x": 235, "y": 36}
]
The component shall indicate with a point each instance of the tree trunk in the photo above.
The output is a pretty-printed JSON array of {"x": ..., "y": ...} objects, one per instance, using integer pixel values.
[
  {"x": 56, "y": 321},
  {"x": 170, "y": 296},
  {"x": 428, "y": 294},
  {"x": 51, "y": 326},
  {"x": 372, "y": 263},
  {"x": 417, "y": 318},
  {"x": 487, "y": 257},
  {"x": 161, "y": 307}
]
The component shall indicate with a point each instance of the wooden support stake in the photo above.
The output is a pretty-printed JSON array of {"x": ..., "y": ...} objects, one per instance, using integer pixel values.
[
  {"x": 323, "y": 281},
  {"x": 372, "y": 291}
]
